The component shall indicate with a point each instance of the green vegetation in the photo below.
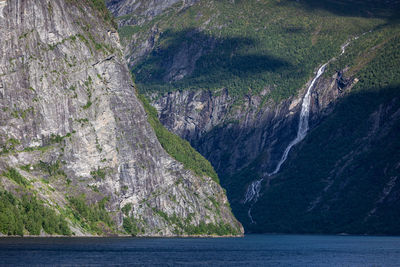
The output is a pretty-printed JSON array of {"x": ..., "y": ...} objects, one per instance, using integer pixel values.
[
  {"x": 361, "y": 151},
  {"x": 98, "y": 174},
  {"x": 88, "y": 83},
  {"x": 9, "y": 146},
  {"x": 184, "y": 226},
  {"x": 94, "y": 217},
  {"x": 83, "y": 39},
  {"x": 56, "y": 139},
  {"x": 87, "y": 105},
  {"x": 52, "y": 140},
  {"x": 220, "y": 229},
  {"x": 54, "y": 46},
  {"x": 22, "y": 113},
  {"x": 26, "y": 167},
  {"x": 37, "y": 148},
  {"x": 29, "y": 215},
  {"x": 127, "y": 208},
  {"x": 52, "y": 169},
  {"x": 14, "y": 175},
  {"x": 98, "y": 6},
  {"x": 83, "y": 121},
  {"x": 243, "y": 49},
  {"x": 178, "y": 148},
  {"x": 131, "y": 226}
]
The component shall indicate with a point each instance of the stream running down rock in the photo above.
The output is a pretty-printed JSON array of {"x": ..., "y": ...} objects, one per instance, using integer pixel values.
[{"x": 253, "y": 190}]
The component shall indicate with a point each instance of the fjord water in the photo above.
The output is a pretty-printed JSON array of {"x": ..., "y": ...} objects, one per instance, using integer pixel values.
[{"x": 252, "y": 250}]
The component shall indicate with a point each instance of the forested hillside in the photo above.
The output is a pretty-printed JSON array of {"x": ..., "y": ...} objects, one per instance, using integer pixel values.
[
  {"x": 245, "y": 46},
  {"x": 230, "y": 77}
]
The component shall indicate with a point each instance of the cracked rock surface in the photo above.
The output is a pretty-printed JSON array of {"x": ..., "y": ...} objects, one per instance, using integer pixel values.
[{"x": 67, "y": 99}]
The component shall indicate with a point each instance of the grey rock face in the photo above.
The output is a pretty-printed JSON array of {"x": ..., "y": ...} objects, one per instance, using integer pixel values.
[
  {"x": 233, "y": 135},
  {"x": 143, "y": 9},
  {"x": 243, "y": 141},
  {"x": 65, "y": 86},
  {"x": 146, "y": 8}
]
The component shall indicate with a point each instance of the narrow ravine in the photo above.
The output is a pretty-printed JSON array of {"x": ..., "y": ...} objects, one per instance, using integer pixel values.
[{"x": 253, "y": 191}]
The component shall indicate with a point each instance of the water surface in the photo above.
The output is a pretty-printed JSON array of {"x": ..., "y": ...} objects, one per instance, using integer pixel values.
[{"x": 252, "y": 250}]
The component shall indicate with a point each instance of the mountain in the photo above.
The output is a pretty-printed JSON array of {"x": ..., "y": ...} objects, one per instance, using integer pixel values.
[
  {"x": 79, "y": 153},
  {"x": 232, "y": 77}
]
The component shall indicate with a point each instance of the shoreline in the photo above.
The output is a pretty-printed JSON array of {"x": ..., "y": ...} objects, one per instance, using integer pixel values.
[
  {"x": 120, "y": 236},
  {"x": 2, "y": 236}
]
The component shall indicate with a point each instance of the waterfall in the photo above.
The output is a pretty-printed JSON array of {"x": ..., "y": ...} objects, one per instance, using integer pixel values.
[
  {"x": 303, "y": 122},
  {"x": 253, "y": 190}
]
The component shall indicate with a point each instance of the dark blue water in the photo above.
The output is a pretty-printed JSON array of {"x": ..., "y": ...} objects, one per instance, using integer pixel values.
[{"x": 252, "y": 250}]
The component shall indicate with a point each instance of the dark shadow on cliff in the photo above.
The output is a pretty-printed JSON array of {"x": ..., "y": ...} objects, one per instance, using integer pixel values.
[
  {"x": 333, "y": 191},
  {"x": 192, "y": 59},
  {"x": 389, "y": 9},
  {"x": 334, "y": 178}
]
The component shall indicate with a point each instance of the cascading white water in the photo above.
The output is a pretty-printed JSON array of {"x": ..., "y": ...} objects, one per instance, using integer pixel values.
[
  {"x": 343, "y": 47},
  {"x": 253, "y": 190}
]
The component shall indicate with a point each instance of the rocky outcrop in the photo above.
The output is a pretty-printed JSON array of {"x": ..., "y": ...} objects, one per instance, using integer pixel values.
[
  {"x": 232, "y": 133},
  {"x": 68, "y": 101},
  {"x": 137, "y": 12}
]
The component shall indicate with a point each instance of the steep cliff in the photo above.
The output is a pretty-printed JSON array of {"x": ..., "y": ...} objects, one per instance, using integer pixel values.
[
  {"x": 344, "y": 177},
  {"x": 231, "y": 135},
  {"x": 231, "y": 80},
  {"x": 75, "y": 138},
  {"x": 138, "y": 12}
]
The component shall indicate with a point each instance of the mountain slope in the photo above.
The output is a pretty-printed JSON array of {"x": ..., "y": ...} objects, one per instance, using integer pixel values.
[
  {"x": 75, "y": 141},
  {"x": 343, "y": 177},
  {"x": 244, "y": 46},
  {"x": 230, "y": 76}
]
